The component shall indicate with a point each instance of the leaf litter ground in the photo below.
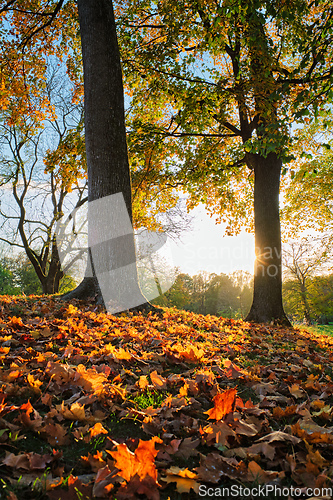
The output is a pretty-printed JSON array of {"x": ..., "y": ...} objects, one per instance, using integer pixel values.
[{"x": 158, "y": 406}]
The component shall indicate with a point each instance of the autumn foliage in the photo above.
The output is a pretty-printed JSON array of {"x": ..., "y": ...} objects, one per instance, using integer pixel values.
[{"x": 98, "y": 406}]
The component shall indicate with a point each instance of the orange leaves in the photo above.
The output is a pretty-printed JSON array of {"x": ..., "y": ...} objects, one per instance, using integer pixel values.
[
  {"x": 140, "y": 463},
  {"x": 158, "y": 381},
  {"x": 94, "y": 376},
  {"x": 190, "y": 353},
  {"x": 97, "y": 430},
  {"x": 138, "y": 468},
  {"x": 224, "y": 403},
  {"x": 90, "y": 380}
]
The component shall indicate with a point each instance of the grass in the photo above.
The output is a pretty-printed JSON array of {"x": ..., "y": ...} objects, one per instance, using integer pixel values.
[{"x": 320, "y": 329}]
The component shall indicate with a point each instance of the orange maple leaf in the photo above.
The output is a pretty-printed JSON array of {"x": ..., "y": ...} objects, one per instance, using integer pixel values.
[
  {"x": 141, "y": 462},
  {"x": 224, "y": 403}
]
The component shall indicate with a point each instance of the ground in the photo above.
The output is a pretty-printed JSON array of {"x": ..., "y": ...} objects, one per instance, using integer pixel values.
[{"x": 165, "y": 405}]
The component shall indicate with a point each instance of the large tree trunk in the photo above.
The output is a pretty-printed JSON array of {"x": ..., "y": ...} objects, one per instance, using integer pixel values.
[
  {"x": 267, "y": 298},
  {"x": 112, "y": 266}
]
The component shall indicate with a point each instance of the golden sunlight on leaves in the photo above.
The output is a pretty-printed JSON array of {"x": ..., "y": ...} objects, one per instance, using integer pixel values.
[
  {"x": 223, "y": 411},
  {"x": 224, "y": 403},
  {"x": 141, "y": 462}
]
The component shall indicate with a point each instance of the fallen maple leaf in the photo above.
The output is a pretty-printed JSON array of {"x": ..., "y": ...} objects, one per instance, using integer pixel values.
[
  {"x": 187, "y": 448},
  {"x": 75, "y": 412},
  {"x": 296, "y": 391},
  {"x": 141, "y": 462},
  {"x": 256, "y": 473},
  {"x": 279, "y": 436},
  {"x": 224, "y": 403},
  {"x": 97, "y": 430}
]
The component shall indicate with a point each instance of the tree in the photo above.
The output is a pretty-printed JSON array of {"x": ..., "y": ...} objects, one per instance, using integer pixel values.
[
  {"x": 106, "y": 149},
  {"x": 108, "y": 168},
  {"x": 302, "y": 261},
  {"x": 218, "y": 85},
  {"x": 43, "y": 181}
]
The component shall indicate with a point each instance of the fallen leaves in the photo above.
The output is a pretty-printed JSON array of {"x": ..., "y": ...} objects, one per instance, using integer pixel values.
[
  {"x": 116, "y": 407},
  {"x": 223, "y": 404}
]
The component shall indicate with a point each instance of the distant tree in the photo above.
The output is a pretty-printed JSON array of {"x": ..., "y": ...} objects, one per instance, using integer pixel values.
[
  {"x": 204, "y": 293},
  {"x": 7, "y": 280},
  {"x": 179, "y": 295},
  {"x": 42, "y": 174},
  {"x": 302, "y": 261},
  {"x": 322, "y": 298}
]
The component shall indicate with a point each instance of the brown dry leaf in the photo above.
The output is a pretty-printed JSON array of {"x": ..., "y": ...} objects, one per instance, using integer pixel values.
[
  {"x": 59, "y": 372},
  {"x": 218, "y": 433},
  {"x": 104, "y": 482},
  {"x": 187, "y": 448},
  {"x": 56, "y": 434},
  {"x": 146, "y": 487},
  {"x": 185, "y": 479},
  {"x": 241, "y": 427},
  {"x": 20, "y": 461},
  {"x": 315, "y": 457},
  {"x": 256, "y": 473},
  {"x": 279, "y": 436},
  {"x": 224, "y": 403},
  {"x": 28, "y": 461},
  {"x": 264, "y": 448},
  {"x": 232, "y": 371},
  {"x": 46, "y": 332},
  {"x": 312, "y": 382},
  {"x": 284, "y": 412},
  {"x": 296, "y": 391}
]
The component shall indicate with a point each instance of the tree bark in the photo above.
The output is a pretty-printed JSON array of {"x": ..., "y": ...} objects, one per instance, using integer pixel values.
[
  {"x": 267, "y": 298},
  {"x": 107, "y": 160}
]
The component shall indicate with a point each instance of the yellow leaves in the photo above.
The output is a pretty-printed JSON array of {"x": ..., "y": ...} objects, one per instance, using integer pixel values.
[
  {"x": 118, "y": 354},
  {"x": 224, "y": 404},
  {"x": 75, "y": 412},
  {"x": 190, "y": 353},
  {"x": 90, "y": 380},
  {"x": 34, "y": 383}
]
